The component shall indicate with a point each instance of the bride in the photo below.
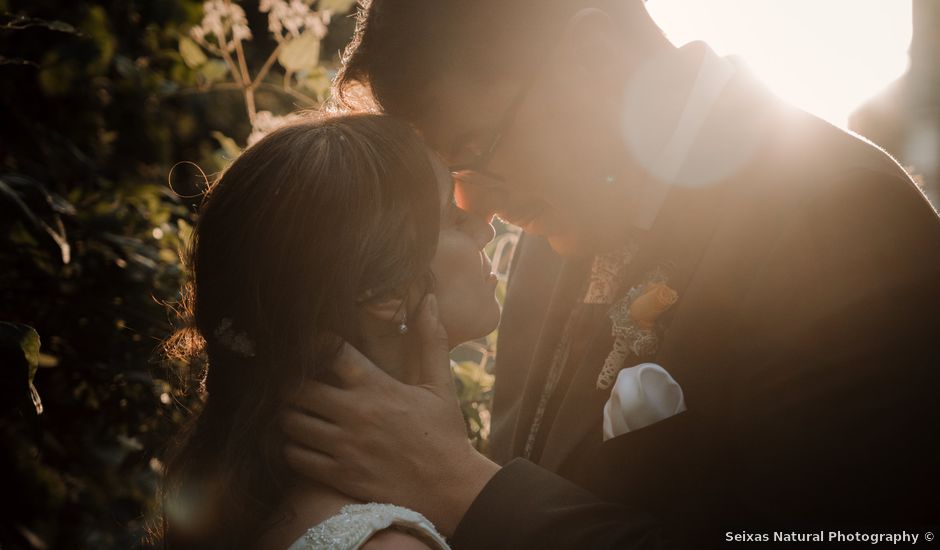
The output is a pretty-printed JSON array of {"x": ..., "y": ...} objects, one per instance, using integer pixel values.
[{"x": 326, "y": 231}]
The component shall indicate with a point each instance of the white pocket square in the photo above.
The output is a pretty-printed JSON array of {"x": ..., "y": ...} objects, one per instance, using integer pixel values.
[{"x": 642, "y": 395}]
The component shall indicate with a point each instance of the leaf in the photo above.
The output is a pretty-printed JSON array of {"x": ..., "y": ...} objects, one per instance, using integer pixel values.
[
  {"x": 57, "y": 235},
  {"x": 192, "y": 54},
  {"x": 21, "y": 22},
  {"x": 473, "y": 380},
  {"x": 168, "y": 256},
  {"x": 48, "y": 361},
  {"x": 131, "y": 444},
  {"x": 213, "y": 70},
  {"x": 336, "y": 6},
  {"x": 318, "y": 82},
  {"x": 19, "y": 346},
  {"x": 55, "y": 75},
  {"x": 61, "y": 26},
  {"x": 97, "y": 27},
  {"x": 300, "y": 53},
  {"x": 184, "y": 231},
  {"x": 17, "y": 61},
  {"x": 228, "y": 144}
]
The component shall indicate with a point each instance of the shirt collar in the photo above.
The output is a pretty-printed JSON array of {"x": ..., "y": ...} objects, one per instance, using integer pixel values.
[{"x": 682, "y": 87}]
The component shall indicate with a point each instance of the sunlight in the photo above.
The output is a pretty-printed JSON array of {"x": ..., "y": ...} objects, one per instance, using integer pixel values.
[{"x": 825, "y": 56}]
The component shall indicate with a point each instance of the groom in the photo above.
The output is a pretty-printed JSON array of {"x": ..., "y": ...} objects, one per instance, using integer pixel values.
[{"x": 721, "y": 318}]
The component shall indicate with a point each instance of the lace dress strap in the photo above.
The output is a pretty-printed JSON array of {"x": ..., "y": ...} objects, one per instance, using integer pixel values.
[{"x": 357, "y": 523}]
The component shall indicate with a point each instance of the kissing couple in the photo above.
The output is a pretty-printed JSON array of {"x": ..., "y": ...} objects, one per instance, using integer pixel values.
[{"x": 720, "y": 318}]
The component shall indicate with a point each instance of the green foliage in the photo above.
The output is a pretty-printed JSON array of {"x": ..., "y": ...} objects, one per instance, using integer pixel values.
[
  {"x": 19, "y": 348},
  {"x": 96, "y": 115},
  {"x": 191, "y": 53},
  {"x": 104, "y": 102},
  {"x": 475, "y": 388},
  {"x": 300, "y": 53}
]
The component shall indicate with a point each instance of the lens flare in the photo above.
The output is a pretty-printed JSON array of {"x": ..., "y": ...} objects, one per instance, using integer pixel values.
[{"x": 826, "y": 57}]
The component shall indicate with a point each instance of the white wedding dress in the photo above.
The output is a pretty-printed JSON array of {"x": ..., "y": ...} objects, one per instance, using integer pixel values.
[{"x": 357, "y": 523}]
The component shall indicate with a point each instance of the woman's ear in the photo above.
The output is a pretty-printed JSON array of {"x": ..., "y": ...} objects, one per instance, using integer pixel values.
[{"x": 386, "y": 309}]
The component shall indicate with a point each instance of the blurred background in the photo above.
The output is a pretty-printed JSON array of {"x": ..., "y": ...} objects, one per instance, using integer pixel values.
[
  {"x": 865, "y": 65},
  {"x": 115, "y": 113}
]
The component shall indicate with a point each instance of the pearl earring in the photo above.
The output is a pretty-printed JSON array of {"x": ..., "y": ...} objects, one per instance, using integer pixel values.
[
  {"x": 610, "y": 179},
  {"x": 403, "y": 327}
]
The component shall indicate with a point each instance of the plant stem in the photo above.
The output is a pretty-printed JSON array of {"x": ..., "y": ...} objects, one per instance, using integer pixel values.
[
  {"x": 269, "y": 62},
  {"x": 246, "y": 82},
  {"x": 231, "y": 66},
  {"x": 242, "y": 65}
]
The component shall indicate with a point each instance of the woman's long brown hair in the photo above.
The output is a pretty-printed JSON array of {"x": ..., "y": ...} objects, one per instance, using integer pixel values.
[{"x": 297, "y": 229}]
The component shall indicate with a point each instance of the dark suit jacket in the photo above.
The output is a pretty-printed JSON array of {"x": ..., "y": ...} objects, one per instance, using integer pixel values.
[{"x": 805, "y": 340}]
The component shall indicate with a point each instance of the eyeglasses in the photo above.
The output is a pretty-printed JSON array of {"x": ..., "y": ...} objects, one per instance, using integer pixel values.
[{"x": 481, "y": 176}]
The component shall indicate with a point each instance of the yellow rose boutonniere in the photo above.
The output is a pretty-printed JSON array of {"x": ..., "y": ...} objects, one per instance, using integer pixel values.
[
  {"x": 655, "y": 300},
  {"x": 633, "y": 324}
]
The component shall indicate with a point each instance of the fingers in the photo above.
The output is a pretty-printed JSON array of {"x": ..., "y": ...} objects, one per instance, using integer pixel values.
[
  {"x": 309, "y": 431},
  {"x": 321, "y": 399},
  {"x": 311, "y": 464},
  {"x": 354, "y": 369},
  {"x": 435, "y": 348}
]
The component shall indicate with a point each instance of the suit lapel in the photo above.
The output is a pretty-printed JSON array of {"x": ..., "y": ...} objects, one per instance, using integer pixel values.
[
  {"x": 692, "y": 214},
  {"x": 564, "y": 298},
  {"x": 681, "y": 235},
  {"x": 533, "y": 277}
]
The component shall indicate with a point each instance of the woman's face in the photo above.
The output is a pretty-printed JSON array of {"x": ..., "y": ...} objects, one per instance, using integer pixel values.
[{"x": 465, "y": 285}]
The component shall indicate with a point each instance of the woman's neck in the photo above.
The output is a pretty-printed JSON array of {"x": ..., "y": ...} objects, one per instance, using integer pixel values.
[
  {"x": 304, "y": 504},
  {"x": 307, "y": 503}
]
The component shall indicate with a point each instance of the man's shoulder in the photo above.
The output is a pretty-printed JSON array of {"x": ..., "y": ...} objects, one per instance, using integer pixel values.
[
  {"x": 830, "y": 211},
  {"x": 852, "y": 181},
  {"x": 813, "y": 166},
  {"x": 840, "y": 196},
  {"x": 826, "y": 153}
]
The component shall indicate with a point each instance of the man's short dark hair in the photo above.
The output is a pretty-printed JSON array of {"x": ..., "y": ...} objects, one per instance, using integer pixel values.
[{"x": 401, "y": 47}]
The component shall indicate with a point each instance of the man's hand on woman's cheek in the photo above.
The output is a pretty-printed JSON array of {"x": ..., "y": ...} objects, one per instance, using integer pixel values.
[{"x": 379, "y": 440}]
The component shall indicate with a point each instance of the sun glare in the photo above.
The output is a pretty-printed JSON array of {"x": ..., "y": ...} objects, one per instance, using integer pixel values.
[{"x": 825, "y": 56}]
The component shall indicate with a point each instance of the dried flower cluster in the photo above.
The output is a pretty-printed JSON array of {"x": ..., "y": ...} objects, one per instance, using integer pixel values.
[
  {"x": 298, "y": 30},
  {"x": 293, "y": 17},
  {"x": 223, "y": 26}
]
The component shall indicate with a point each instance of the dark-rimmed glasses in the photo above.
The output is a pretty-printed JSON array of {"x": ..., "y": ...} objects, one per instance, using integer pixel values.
[{"x": 479, "y": 165}]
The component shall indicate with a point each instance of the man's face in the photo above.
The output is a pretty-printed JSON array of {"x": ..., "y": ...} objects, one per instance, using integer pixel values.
[{"x": 556, "y": 143}]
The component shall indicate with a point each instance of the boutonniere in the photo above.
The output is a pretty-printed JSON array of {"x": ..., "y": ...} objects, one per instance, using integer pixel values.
[
  {"x": 633, "y": 321},
  {"x": 606, "y": 273}
]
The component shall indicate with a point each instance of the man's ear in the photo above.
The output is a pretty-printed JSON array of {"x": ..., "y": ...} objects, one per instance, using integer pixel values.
[
  {"x": 385, "y": 309},
  {"x": 591, "y": 42}
]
